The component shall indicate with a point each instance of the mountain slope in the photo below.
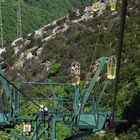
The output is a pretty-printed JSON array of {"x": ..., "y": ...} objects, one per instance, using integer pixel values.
[
  {"x": 34, "y": 15},
  {"x": 83, "y": 37}
]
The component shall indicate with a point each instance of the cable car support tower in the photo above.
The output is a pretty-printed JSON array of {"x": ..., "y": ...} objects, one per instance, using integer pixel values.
[
  {"x": 1, "y": 25},
  {"x": 19, "y": 21}
]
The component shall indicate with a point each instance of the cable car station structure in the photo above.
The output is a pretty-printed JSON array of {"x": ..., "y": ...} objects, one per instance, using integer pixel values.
[
  {"x": 86, "y": 121},
  {"x": 79, "y": 119}
]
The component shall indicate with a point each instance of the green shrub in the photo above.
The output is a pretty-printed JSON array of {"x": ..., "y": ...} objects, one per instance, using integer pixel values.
[{"x": 54, "y": 69}]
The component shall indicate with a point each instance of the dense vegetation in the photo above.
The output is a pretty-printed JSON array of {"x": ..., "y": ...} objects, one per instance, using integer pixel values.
[
  {"x": 85, "y": 42},
  {"x": 34, "y": 14}
]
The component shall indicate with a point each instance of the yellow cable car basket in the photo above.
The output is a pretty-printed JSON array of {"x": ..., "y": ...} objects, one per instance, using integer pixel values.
[
  {"x": 95, "y": 7},
  {"x": 75, "y": 71},
  {"x": 113, "y": 5},
  {"x": 111, "y": 68}
]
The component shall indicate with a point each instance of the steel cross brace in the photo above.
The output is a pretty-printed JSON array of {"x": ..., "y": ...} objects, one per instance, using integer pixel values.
[{"x": 102, "y": 61}]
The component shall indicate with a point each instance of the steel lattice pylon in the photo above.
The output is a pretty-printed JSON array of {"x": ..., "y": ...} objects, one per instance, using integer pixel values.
[
  {"x": 1, "y": 25},
  {"x": 19, "y": 20}
]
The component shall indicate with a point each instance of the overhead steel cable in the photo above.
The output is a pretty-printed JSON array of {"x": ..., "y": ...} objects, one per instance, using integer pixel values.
[
  {"x": 19, "y": 75},
  {"x": 96, "y": 44},
  {"x": 19, "y": 91},
  {"x": 30, "y": 83}
]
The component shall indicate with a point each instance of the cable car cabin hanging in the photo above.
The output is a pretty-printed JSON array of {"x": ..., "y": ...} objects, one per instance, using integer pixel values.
[
  {"x": 111, "y": 68},
  {"x": 95, "y": 7},
  {"x": 75, "y": 71},
  {"x": 113, "y": 5}
]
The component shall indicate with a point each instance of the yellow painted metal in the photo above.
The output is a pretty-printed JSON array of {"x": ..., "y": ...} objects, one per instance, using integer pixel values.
[
  {"x": 111, "y": 68},
  {"x": 113, "y": 5},
  {"x": 75, "y": 71},
  {"x": 95, "y": 7}
]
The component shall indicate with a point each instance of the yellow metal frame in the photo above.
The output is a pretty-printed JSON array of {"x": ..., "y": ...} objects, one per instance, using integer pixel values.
[
  {"x": 111, "y": 68},
  {"x": 95, "y": 7},
  {"x": 113, "y": 5},
  {"x": 75, "y": 71}
]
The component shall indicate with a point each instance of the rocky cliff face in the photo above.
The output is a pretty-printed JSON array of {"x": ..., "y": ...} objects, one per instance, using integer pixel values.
[
  {"x": 27, "y": 54},
  {"x": 82, "y": 36}
]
